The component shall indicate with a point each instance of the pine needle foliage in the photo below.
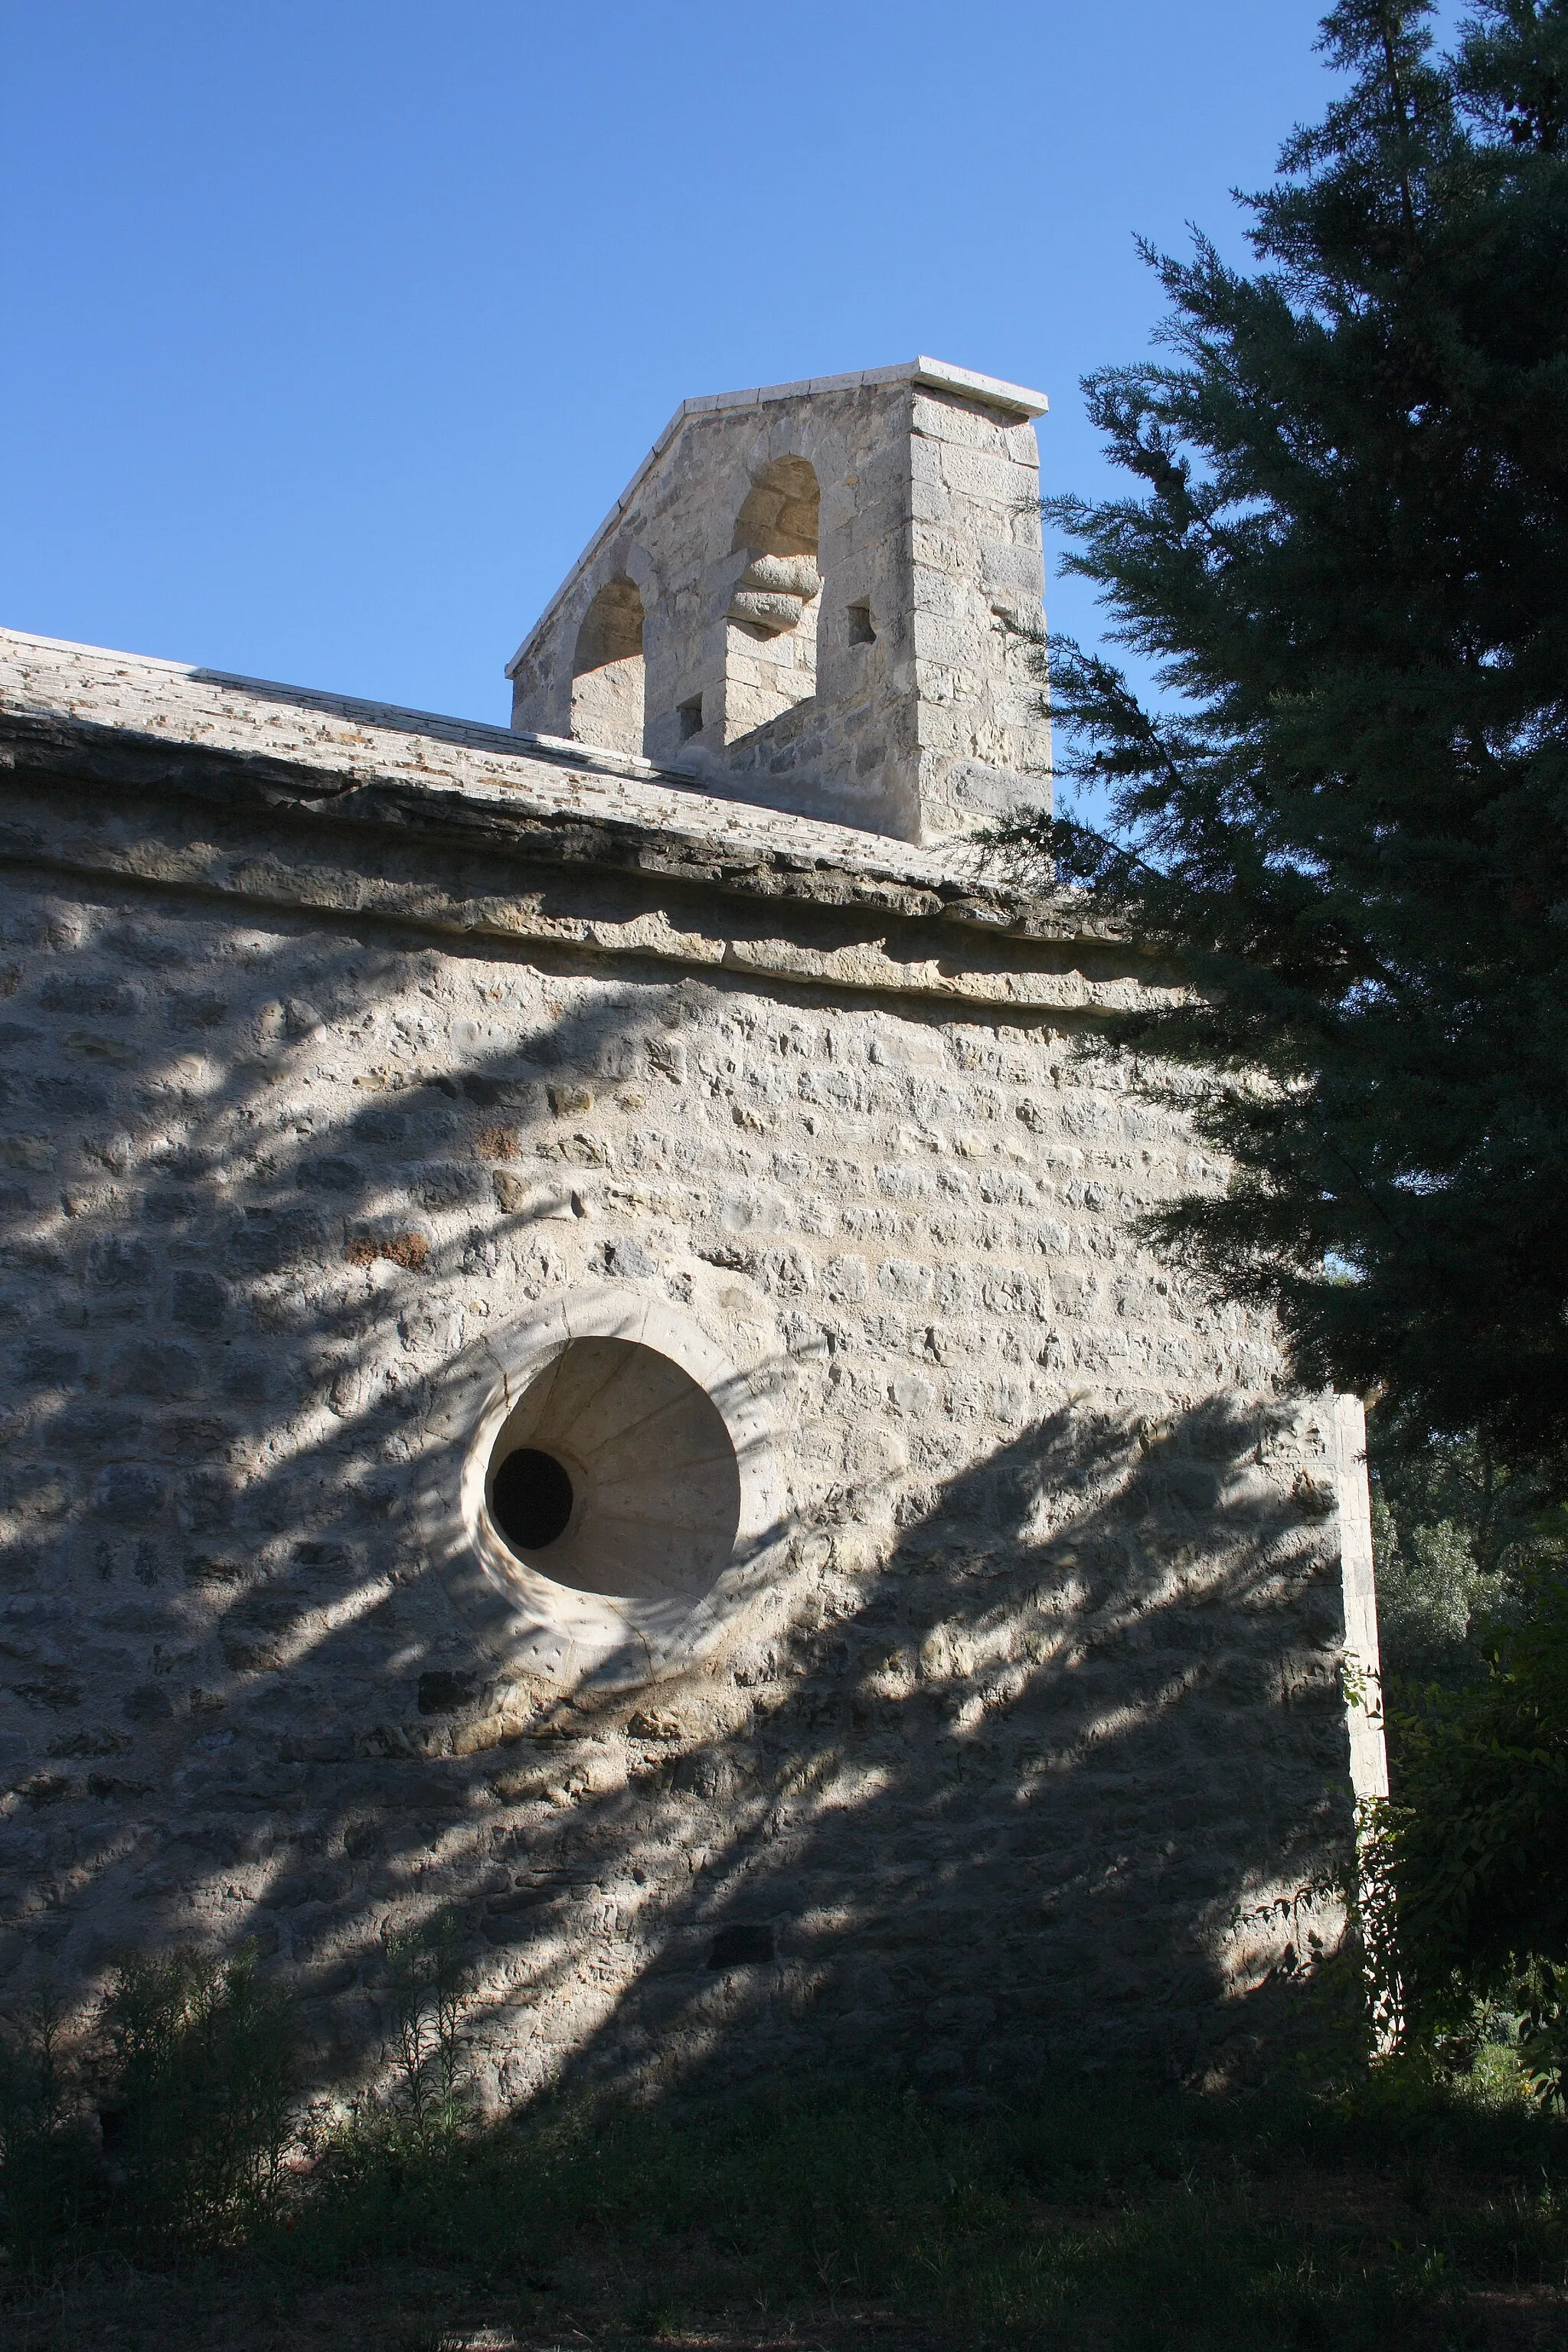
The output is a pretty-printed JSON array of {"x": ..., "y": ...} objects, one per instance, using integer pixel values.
[{"x": 1344, "y": 812}]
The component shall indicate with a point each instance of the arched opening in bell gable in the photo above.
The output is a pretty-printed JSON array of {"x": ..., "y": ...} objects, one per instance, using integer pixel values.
[
  {"x": 607, "y": 670},
  {"x": 771, "y": 624}
]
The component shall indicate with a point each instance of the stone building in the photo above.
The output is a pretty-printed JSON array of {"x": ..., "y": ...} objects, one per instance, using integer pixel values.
[{"x": 572, "y": 1352}]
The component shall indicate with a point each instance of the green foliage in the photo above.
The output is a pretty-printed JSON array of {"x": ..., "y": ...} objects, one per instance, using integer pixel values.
[
  {"x": 1346, "y": 561},
  {"x": 413, "y": 2133},
  {"x": 1457, "y": 1535},
  {"x": 1463, "y": 1903},
  {"x": 1101, "y": 2210},
  {"x": 43, "y": 2146},
  {"x": 1468, "y": 1897},
  {"x": 193, "y": 2101},
  {"x": 198, "y": 2117},
  {"x": 428, "y": 1984},
  {"x": 1463, "y": 1906},
  {"x": 1109, "y": 2211},
  {"x": 1432, "y": 1600}
]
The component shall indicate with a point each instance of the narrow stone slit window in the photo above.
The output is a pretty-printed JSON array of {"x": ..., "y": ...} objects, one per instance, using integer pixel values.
[
  {"x": 861, "y": 632},
  {"x": 690, "y": 716}
]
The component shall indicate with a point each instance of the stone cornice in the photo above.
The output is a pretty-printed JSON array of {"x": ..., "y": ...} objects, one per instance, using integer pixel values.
[{"x": 165, "y": 775}]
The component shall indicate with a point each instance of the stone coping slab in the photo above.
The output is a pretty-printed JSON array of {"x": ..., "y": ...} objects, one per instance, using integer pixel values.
[{"x": 143, "y": 729}]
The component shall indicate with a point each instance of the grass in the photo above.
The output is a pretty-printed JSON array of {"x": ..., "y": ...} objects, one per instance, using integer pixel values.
[{"x": 1116, "y": 2218}]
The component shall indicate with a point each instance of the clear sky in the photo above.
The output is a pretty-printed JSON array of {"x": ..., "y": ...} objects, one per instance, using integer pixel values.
[{"x": 334, "y": 326}]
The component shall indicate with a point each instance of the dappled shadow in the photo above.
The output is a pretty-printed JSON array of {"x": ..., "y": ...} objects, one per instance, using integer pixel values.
[
  {"x": 1032, "y": 1791},
  {"x": 1032, "y": 1744}
]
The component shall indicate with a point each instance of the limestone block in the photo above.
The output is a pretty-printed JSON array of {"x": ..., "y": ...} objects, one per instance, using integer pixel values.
[{"x": 985, "y": 475}]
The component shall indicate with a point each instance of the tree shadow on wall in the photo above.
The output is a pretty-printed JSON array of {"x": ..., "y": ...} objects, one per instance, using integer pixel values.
[
  {"x": 1064, "y": 1779},
  {"x": 1046, "y": 1754}
]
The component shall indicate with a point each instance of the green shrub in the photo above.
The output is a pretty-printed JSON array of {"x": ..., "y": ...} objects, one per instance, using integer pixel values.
[
  {"x": 45, "y": 2150},
  {"x": 1467, "y": 1898},
  {"x": 1101, "y": 2210},
  {"x": 198, "y": 2116},
  {"x": 193, "y": 2100},
  {"x": 1113, "y": 2213},
  {"x": 428, "y": 1986}
]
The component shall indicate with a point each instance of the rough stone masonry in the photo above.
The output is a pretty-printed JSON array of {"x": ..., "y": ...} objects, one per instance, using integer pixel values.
[{"x": 573, "y": 1353}]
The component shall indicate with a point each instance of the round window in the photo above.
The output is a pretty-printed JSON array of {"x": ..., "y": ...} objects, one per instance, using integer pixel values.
[
  {"x": 614, "y": 1473},
  {"x": 611, "y": 1501}
]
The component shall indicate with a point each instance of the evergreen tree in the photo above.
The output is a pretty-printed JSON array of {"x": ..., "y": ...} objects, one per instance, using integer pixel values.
[
  {"x": 1458, "y": 1541},
  {"x": 1346, "y": 561}
]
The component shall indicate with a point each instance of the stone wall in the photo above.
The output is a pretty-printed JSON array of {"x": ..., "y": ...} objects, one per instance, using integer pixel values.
[{"x": 1029, "y": 1740}]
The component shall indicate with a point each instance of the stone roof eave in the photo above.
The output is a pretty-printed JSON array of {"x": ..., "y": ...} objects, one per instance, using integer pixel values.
[{"x": 69, "y": 751}]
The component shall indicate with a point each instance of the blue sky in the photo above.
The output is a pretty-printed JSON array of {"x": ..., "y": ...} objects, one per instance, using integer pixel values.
[{"x": 335, "y": 325}]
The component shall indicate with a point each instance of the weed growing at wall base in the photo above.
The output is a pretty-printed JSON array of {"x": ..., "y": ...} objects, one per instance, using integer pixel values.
[{"x": 170, "y": 2136}]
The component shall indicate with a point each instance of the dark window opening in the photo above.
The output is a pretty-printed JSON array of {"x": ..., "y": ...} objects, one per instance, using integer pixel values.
[
  {"x": 444, "y": 1694},
  {"x": 531, "y": 1500},
  {"x": 690, "y": 716},
  {"x": 742, "y": 1948},
  {"x": 861, "y": 633}
]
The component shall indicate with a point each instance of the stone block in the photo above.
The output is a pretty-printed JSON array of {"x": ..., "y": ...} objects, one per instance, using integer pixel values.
[
  {"x": 130, "y": 1492},
  {"x": 199, "y": 1301}
]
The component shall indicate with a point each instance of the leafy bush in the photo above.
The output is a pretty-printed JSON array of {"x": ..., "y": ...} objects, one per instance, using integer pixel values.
[
  {"x": 44, "y": 2145},
  {"x": 1467, "y": 1897},
  {"x": 428, "y": 1982},
  {"x": 192, "y": 2105},
  {"x": 1102, "y": 2210},
  {"x": 1456, "y": 1530},
  {"x": 199, "y": 2120},
  {"x": 1106, "y": 2210}
]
